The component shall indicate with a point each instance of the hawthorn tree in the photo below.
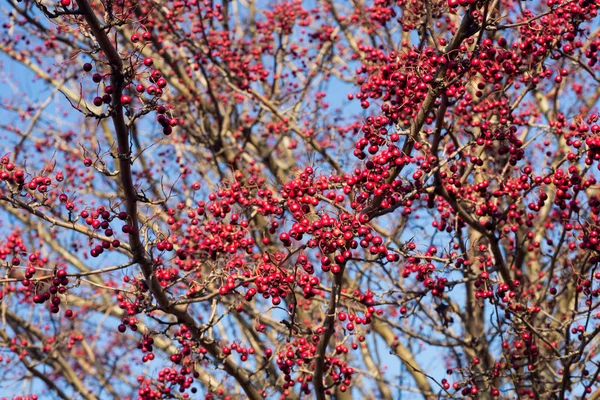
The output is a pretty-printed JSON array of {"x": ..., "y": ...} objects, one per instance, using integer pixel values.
[{"x": 245, "y": 199}]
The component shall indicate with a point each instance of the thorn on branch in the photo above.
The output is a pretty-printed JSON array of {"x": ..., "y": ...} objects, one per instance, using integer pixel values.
[{"x": 141, "y": 197}]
